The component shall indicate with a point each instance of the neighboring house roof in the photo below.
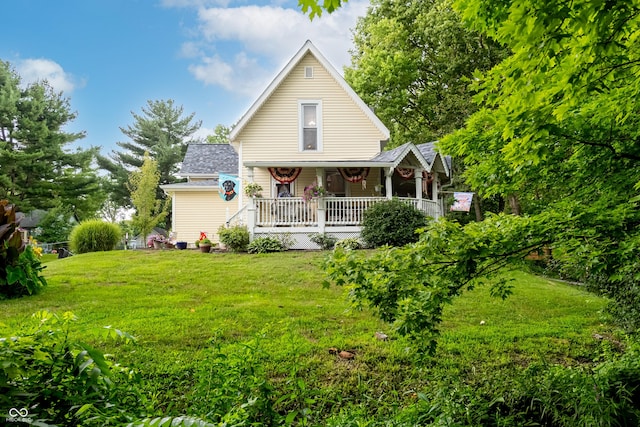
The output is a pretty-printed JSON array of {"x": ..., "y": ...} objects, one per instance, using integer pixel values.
[
  {"x": 32, "y": 219},
  {"x": 207, "y": 160},
  {"x": 308, "y": 47}
]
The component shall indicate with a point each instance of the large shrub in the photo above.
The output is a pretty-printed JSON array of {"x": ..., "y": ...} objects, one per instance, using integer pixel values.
[
  {"x": 391, "y": 223},
  {"x": 20, "y": 266},
  {"x": 235, "y": 238},
  {"x": 94, "y": 236}
]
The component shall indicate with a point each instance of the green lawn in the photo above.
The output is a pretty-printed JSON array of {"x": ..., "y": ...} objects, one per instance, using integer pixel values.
[{"x": 186, "y": 307}]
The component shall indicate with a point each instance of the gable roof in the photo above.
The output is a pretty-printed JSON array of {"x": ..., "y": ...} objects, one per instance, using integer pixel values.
[
  {"x": 425, "y": 153},
  {"x": 429, "y": 152},
  {"x": 398, "y": 154},
  {"x": 308, "y": 47},
  {"x": 207, "y": 160}
]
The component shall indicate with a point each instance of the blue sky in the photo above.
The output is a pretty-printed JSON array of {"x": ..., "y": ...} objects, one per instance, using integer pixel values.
[{"x": 212, "y": 57}]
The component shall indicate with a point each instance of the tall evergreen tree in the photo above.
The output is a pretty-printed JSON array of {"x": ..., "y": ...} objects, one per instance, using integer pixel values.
[
  {"x": 37, "y": 168},
  {"x": 163, "y": 131}
]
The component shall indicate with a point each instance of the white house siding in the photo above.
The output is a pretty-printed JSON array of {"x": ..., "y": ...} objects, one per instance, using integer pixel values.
[
  {"x": 200, "y": 211},
  {"x": 272, "y": 133}
]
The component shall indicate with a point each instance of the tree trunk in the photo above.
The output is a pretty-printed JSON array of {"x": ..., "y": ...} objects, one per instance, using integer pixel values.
[{"x": 514, "y": 204}]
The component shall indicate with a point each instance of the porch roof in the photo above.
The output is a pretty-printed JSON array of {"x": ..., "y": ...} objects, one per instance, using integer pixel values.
[{"x": 407, "y": 155}]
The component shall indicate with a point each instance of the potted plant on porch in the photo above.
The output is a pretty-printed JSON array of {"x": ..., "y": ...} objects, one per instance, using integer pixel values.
[{"x": 253, "y": 189}]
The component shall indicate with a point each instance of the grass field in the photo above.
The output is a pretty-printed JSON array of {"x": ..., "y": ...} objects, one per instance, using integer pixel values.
[{"x": 187, "y": 308}]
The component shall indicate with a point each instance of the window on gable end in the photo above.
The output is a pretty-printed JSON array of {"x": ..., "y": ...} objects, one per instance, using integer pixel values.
[
  {"x": 310, "y": 126},
  {"x": 308, "y": 72}
]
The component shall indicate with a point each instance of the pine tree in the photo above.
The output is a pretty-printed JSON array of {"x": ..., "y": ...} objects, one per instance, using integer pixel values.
[{"x": 37, "y": 169}]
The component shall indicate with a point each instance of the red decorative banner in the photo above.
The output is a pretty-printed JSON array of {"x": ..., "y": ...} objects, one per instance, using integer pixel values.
[
  {"x": 285, "y": 175},
  {"x": 405, "y": 173},
  {"x": 354, "y": 174}
]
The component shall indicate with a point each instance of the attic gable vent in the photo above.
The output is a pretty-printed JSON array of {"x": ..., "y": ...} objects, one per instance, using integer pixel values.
[{"x": 308, "y": 72}]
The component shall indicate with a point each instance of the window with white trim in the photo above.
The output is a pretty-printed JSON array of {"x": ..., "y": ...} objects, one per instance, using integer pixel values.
[
  {"x": 308, "y": 72},
  {"x": 310, "y": 126}
]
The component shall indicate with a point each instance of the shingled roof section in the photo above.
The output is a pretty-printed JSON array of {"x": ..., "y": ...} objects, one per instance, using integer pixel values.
[
  {"x": 390, "y": 156},
  {"x": 428, "y": 150},
  {"x": 209, "y": 159}
]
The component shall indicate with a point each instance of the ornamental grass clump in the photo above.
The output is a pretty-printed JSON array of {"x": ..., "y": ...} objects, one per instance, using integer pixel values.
[{"x": 94, "y": 236}]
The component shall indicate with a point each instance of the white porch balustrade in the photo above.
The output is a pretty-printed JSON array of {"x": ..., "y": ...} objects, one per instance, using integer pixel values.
[{"x": 326, "y": 212}]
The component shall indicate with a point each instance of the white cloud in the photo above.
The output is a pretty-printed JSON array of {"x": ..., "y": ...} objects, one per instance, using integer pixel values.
[
  {"x": 190, "y": 50},
  {"x": 263, "y": 39},
  {"x": 193, "y": 3},
  {"x": 33, "y": 70}
]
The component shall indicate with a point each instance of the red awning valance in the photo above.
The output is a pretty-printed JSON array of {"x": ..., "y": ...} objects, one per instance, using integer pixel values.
[
  {"x": 405, "y": 173},
  {"x": 354, "y": 174},
  {"x": 285, "y": 175}
]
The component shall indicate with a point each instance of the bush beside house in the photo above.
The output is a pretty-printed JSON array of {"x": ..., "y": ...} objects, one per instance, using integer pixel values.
[{"x": 391, "y": 223}]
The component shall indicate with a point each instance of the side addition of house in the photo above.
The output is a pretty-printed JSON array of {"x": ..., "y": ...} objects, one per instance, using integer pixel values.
[{"x": 308, "y": 128}]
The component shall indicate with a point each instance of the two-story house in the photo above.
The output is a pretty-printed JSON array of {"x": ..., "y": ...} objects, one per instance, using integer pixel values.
[{"x": 307, "y": 128}]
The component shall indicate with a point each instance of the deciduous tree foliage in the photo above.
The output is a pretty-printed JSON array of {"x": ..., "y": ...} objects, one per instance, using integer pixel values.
[
  {"x": 220, "y": 135},
  {"x": 38, "y": 169},
  {"x": 142, "y": 185},
  {"x": 413, "y": 63},
  {"x": 559, "y": 127}
]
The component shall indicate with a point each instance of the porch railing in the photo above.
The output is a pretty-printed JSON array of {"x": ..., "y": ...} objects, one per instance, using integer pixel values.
[
  {"x": 337, "y": 211},
  {"x": 286, "y": 211},
  {"x": 348, "y": 210},
  {"x": 429, "y": 207}
]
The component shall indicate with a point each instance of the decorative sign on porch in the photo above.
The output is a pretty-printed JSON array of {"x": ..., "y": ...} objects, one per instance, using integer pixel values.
[
  {"x": 285, "y": 175},
  {"x": 462, "y": 202},
  {"x": 227, "y": 185}
]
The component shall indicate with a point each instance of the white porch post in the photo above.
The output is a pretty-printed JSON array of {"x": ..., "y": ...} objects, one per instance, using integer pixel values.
[
  {"x": 388, "y": 173},
  {"x": 434, "y": 186},
  {"x": 418, "y": 174},
  {"x": 251, "y": 208},
  {"x": 320, "y": 176},
  {"x": 436, "y": 196},
  {"x": 322, "y": 217}
]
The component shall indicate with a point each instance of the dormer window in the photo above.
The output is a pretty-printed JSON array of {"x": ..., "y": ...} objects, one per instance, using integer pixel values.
[{"x": 310, "y": 126}]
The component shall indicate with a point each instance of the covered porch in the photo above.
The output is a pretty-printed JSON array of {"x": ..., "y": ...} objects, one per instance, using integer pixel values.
[
  {"x": 349, "y": 189},
  {"x": 340, "y": 217}
]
